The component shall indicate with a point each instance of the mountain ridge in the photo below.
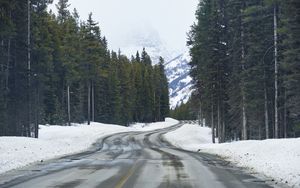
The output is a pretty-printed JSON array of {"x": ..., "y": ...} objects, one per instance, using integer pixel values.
[{"x": 180, "y": 82}]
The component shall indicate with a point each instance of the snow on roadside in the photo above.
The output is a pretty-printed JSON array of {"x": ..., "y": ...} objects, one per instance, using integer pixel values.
[
  {"x": 152, "y": 126},
  {"x": 278, "y": 159},
  {"x": 56, "y": 141},
  {"x": 190, "y": 136}
]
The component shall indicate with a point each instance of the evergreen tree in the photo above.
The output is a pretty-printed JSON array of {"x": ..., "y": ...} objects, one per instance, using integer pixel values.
[
  {"x": 237, "y": 50},
  {"x": 145, "y": 58},
  {"x": 291, "y": 56},
  {"x": 69, "y": 74}
]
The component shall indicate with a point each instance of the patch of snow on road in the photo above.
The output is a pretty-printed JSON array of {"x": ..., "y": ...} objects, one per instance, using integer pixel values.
[
  {"x": 278, "y": 159},
  {"x": 57, "y": 141}
]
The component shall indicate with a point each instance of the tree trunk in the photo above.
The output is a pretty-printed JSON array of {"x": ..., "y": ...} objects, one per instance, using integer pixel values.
[
  {"x": 219, "y": 123},
  {"x": 285, "y": 116},
  {"x": 93, "y": 102},
  {"x": 159, "y": 110},
  {"x": 36, "y": 112},
  {"x": 212, "y": 123},
  {"x": 200, "y": 115},
  {"x": 154, "y": 102},
  {"x": 244, "y": 118},
  {"x": 223, "y": 131},
  {"x": 7, "y": 63},
  {"x": 244, "y": 132},
  {"x": 266, "y": 108},
  {"x": 89, "y": 103},
  {"x": 260, "y": 132},
  {"x": 28, "y": 131},
  {"x": 223, "y": 123},
  {"x": 69, "y": 108},
  {"x": 276, "y": 71}
]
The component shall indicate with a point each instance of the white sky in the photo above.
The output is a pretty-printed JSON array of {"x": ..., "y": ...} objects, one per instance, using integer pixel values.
[{"x": 117, "y": 18}]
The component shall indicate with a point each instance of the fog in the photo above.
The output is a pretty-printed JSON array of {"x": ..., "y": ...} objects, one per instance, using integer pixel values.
[{"x": 119, "y": 18}]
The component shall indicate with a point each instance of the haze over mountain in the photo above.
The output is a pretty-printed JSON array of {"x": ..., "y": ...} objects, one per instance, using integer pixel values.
[
  {"x": 120, "y": 19},
  {"x": 159, "y": 26},
  {"x": 145, "y": 36}
]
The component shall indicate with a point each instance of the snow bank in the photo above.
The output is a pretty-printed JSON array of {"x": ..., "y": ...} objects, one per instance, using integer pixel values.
[
  {"x": 152, "y": 126},
  {"x": 278, "y": 159},
  {"x": 190, "y": 136},
  {"x": 56, "y": 141}
]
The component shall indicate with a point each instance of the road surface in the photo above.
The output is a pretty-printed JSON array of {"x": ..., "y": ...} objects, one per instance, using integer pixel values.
[{"x": 133, "y": 160}]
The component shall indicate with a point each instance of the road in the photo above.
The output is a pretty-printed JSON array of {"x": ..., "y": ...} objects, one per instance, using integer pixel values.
[{"x": 133, "y": 159}]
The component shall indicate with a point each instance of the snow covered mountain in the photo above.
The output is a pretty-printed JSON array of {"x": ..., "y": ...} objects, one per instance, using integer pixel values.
[
  {"x": 148, "y": 38},
  {"x": 177, "y": 69},
  {"x": 180, "y": 82}
]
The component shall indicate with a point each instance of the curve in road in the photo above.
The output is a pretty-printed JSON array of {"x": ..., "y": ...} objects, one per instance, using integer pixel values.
[{"x": 133, "y": 159}]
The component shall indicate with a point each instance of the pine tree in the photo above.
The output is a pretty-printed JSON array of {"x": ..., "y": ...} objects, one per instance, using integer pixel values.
[
  {"x": 145, "y": 58},
  {"x": 126, "y": 93},
  {"x": 163, "y": 92},
  {"x": 62, "y": 10},
  {"x": 232, "y": 98},
  {"x": 291, "y": 56},
  {"x": 70, "y": 75}
]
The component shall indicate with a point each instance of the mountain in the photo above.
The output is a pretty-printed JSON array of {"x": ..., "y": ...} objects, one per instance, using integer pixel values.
[
  {"x": 177, "y": 69},
  {"x": 148, "y": 38},
  {"x": 180, "y": 82}
]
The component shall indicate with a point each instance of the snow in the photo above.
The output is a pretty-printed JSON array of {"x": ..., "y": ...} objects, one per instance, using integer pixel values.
[
  {"x": 278, "y": 159},
  {"x": 180, "y": 82},
  {"x": 189, "y": 136},
  {"x": 187, "y": 56},
  {"x": 153, "y": 126},
  {"x": 181, "y": 96},
  {"x": 147, "y": 37},
  {"x": 186, "y": 80},
  {"x": 57, "y": 141}
]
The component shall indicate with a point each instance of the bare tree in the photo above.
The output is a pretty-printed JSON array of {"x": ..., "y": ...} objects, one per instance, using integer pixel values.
[
  {"x": 244, "y": 117},
  {"x": 276, "y": 70},
  {"x": 28, "y": 131}
]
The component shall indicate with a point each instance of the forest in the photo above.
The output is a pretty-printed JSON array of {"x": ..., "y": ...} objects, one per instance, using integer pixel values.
[
  {"x": 246, "y": 68},
  {"x": 56, "y": 69}
]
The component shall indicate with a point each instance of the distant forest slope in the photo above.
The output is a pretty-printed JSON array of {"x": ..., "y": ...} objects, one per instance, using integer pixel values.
[{"x": 55, "y": 69}]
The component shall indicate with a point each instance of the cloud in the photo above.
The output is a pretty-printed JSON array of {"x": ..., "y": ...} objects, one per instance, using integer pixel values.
[{"x": 118, "y": 18}]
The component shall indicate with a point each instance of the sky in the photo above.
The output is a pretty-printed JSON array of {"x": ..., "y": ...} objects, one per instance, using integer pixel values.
[{"x": 119, "y": 20}]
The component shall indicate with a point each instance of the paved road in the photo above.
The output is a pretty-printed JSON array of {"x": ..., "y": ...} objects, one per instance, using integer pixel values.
[{"x": 129, "y": 160}]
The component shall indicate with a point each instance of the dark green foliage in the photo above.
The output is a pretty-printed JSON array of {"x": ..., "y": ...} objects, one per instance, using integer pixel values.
[
  {"x": 232, "y": 49},
  {"x": 291, "y": 63},
  {"x": 104, "y": 86}
]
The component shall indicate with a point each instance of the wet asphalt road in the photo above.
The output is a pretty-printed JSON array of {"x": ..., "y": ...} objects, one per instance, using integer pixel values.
[{"x": 133, "y": 160}]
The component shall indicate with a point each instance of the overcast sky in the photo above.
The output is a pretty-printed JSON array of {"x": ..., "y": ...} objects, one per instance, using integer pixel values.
[{"x": 117, "y": 18}]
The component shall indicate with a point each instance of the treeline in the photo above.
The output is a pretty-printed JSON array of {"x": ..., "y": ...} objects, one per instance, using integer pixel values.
[
  {"x": 187, "y": 111},
  {"x": 246, "y": 67},
  {"x": 55, "y": 69}
]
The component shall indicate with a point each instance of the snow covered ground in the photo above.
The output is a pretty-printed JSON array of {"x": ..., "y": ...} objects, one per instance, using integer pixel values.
[
  {"x": 153, "y": 126},
  {"x": 56, "y": 141},
  {"x": 278, "y": 159}
]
